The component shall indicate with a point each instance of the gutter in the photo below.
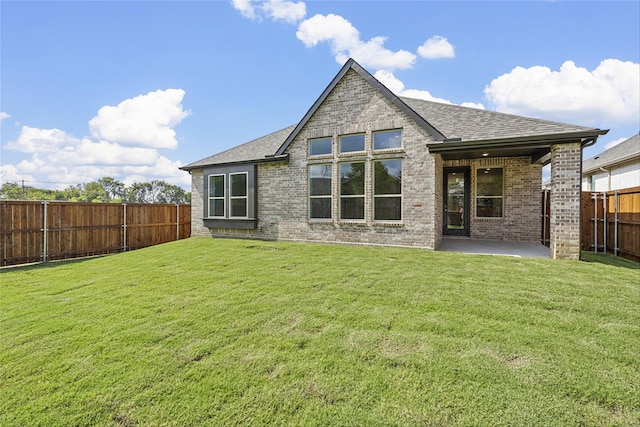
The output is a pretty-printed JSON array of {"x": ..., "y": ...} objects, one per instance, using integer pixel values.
[
  {"x": 267, "y": 159},
  {"x": 587, "y": 138}
]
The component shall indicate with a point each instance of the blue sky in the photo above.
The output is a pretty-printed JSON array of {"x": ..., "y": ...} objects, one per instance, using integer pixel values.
[{"x": 134, "y": 90}]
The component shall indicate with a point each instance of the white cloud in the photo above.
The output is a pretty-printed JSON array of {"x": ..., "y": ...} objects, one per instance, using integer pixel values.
[
  {"x": 34, "y": 140},
  {"x": 103, "y": 153},
  {"x": 610, "y": 94},
  {"x": 436, "y": 47},
  {"x": 344, "y": 40},
  {"x": 4, "y": 116},
  {"x": 277, "y": 10},
  {"x": 124, "y": 143},
  {"x": 396, "y": 86},
  {"x": 288, "y": 11},
  {"x": 245, "y": 7},
  {"x": 146, "y": 120}
]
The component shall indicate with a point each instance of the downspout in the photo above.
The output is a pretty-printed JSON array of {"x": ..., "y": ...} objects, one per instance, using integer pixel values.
[{"x": 588, "y": 143}]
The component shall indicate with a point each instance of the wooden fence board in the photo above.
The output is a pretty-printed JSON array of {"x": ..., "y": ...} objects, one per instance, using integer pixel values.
[
  {"x": 84, "y": 229},
  {"x": 620, "y": 211}
]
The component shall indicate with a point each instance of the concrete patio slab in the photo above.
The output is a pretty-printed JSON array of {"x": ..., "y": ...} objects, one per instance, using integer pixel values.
[{"x": 494, "y": 247}]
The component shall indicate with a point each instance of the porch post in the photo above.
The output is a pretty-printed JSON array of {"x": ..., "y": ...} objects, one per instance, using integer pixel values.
[{"x": 565, "y": 201}]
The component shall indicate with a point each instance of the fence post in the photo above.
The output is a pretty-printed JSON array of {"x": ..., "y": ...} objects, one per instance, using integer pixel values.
[
  {"x": 615, "y": 223},
  {"x": 177, "y": 221},
  {"x": 544, "y": 217},
  {"x": 595, "y": 222},
  {"x": 604, "y": 230},
  {"x": 44, "y": 231},
  {"x": 124, "y": 227}
]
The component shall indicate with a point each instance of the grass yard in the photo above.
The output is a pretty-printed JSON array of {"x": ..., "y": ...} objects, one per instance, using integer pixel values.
[{"x": 206, "y": 332}]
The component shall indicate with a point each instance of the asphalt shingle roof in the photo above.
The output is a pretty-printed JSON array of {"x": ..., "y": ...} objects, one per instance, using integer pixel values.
[
  {"x": 440, "y": 120},
  {"x": 472, "y": 124},
  {"x": 256, "y": 149},
  {"x": 626, "y": 150}
]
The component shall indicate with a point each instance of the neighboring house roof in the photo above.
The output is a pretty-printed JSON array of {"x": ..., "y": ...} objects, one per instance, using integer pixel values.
[
  {"x": 623, "y": 152},
  {"x": 458, "y": 132}
]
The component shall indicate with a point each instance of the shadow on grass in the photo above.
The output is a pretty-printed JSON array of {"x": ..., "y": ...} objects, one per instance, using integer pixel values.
[
  {"x": 49, "y": 264},
  {"x": 609, "y": 260}
]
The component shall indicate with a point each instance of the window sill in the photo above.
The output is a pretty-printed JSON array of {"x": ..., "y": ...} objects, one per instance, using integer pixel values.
[
  {"x": 358, "y": 222},
  {"x": 246, "y": 224},
  {"x": 388, "y": 224}
]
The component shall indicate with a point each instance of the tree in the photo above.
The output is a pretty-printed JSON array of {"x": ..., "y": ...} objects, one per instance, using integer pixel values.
[{"x": 114, "y": 188}]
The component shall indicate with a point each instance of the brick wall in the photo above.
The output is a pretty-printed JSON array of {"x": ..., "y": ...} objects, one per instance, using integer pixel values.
[
  {"x": 354, "y": 106},
  {"x": 566, "y": 162},
  {"x": 522, "y": 203}
]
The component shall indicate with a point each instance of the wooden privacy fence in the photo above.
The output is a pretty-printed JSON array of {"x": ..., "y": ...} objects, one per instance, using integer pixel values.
[
  {"x": 32, "y": 231},
  {"x": 621, "y": 208},
  {"x": 611, "y": 222}
]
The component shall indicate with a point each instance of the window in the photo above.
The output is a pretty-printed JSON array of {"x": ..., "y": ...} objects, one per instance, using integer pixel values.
[
  {"x": 318, "y": 147},
  {"x": 351, "y": 143},
  {"x": 387, "y": 188},
  {"x": 216, "y": 196},
  {"x": 352, "y": 190},
  {"x": 387, "y": 140},
  {"x": 238, "y": 195},
  {"x": 489, "y": 193},
  {"x": 320, "y": 191}
]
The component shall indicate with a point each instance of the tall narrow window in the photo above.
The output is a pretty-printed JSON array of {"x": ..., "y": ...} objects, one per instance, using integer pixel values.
[
  {"x": 320, "y": 191},
  {"x": 489, "y": 193},
  {"x": 238, "y": 195},
  {"x": 319, "y": 146},
  {"x": 351, "y": 143},
  {"x": 387, "y": 140},
  {"x": 216, "y": 196},
  {"x": 387, "y": 190},
  {"x": 352, "y": 190}
]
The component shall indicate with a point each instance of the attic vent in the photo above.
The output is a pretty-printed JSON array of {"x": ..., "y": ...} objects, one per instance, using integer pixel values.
[{"x": 452, "y": 140}]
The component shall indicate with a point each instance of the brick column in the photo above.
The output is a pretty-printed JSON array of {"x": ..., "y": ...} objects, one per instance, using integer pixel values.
[{"x": 565, "y": 201}]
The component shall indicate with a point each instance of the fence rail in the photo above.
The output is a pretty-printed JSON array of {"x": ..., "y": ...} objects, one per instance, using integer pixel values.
[
  {"x": 611, "y": 222},
  {"x": 34, "y": 231}
]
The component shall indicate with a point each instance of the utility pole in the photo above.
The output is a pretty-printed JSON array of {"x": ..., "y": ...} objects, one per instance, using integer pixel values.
[{"x": 24, "y": 197}]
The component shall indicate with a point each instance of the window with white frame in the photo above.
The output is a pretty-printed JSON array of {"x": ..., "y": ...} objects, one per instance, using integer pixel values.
[
  {"x": 216, "y": 196},
  {"x": 238, "y": 195},
  {"x": 320, "y": 191},
  {"x": 387, "y": 190},
  {"x": 489, "y": 193},
  {"x": 352, "y": 177}
]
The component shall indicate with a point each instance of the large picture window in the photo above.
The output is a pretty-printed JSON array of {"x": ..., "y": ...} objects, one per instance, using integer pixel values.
[
  {"x": 387, "y": 140},
  {"x": 351, "y": 143},
  {"x": 489, "y": 193},
  {"x": 320, "y": 191},
  {"x": 320, "y": 146},
  {"x": 238, "y": 195},
  {"x": 352, "y": 190},
  {"x": 387, "y": 188},
  {"x": 216, "y": 196}
]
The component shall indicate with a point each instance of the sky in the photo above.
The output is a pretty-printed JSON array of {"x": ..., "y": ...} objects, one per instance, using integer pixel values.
[{"x": 135, "y": 89}]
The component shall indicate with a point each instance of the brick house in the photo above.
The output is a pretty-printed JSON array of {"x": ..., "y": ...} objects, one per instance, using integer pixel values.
[{"x": 366, "y": 166}]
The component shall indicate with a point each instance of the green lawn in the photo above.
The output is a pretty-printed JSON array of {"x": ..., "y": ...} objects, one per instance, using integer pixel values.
[{"x": 231, "y": 332}]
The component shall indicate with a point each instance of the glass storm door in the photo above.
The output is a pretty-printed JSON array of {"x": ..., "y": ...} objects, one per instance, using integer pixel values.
[{"x": 456, "y": 201}]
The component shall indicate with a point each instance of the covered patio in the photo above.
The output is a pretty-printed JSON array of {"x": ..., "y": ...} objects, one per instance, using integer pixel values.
[{"x": 494, "y": 247}]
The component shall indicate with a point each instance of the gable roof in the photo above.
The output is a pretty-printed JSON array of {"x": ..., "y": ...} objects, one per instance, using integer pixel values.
[
  {"x": 623, "y": 152},
  {"x": 458, "y": 132},
  {"x": 351, "y": 64}
]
